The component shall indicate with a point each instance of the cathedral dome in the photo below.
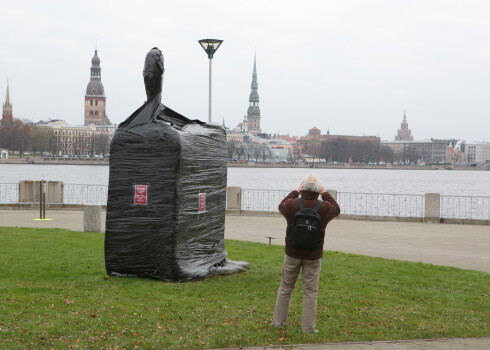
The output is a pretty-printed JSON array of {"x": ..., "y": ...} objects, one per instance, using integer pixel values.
[
  {"x": 95, "y": 60},
  {"x": 95, "y": 87}
]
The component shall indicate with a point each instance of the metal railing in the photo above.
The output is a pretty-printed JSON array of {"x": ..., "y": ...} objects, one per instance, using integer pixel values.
[
  {"x": 262, "y": 200},
  {"x": 460, "y": 207},
  {"x": 368, "y": 204},
  {"x": 84, "y": 194},
  {"x": 380, "y": 204},
  {"x": 365, "y": 204},
  {"x": 9, "y": 193}
]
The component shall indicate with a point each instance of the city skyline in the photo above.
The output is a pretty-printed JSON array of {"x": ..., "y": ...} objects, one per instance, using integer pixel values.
[{"x": 345, "y": 66}]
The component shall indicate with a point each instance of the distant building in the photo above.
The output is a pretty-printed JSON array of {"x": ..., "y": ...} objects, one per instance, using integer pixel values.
[
  {"x": 339, "y": 148},
  {"x": 79, "y": 140},
  {"x": 95, "y": 101},
  {"x": 454, "y": 153},
  {"x": 406, "y": 150},
  {"x": 278, "y": 143},
  {"x": 234, "y": 137},
  {"x": 311, "y": 143},
  {"x": 241, "y": 127},
  {"x": 253, "y": 113},
  {"x": 7, "y": 115},
  {"x": 429, "y": 151},
  {"x": 404, "y": 133},
  {"x": 476, "y": 153},
  {"x": 95, "y": 135}
]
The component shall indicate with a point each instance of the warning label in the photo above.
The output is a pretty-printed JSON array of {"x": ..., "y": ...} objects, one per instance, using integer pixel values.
[
  {"x": 202, "y": 202},
  {"x": 140, "y": 194}
]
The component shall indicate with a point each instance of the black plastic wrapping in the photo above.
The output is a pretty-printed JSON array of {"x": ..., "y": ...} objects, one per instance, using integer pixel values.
[{"x": 173, "y": 230}]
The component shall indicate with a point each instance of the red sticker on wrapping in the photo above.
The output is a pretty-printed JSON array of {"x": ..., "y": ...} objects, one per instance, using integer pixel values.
[
  {"x": 202, "y": 202},
  {"x": 140, "y": 194}
]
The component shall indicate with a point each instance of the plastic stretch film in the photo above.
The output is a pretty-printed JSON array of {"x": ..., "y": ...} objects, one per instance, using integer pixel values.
[{"x": 167, "y": 191}]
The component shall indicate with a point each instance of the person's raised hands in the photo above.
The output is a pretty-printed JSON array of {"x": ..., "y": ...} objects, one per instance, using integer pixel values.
[{"x": 300, "y": 187}]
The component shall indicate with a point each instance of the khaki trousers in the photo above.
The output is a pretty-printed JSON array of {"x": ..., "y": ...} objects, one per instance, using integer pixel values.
[{"x": 310, "y": 275}]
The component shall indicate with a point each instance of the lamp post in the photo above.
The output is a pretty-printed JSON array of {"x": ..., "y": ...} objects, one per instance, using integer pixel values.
[{"x": 210, "y": 46}]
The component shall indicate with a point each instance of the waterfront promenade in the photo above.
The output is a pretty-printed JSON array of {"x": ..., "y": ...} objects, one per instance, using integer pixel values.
[{"x": 462, "y": 246}]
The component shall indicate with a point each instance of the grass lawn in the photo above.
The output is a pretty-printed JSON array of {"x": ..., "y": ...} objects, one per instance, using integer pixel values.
[{"x": 54, "y": 293}]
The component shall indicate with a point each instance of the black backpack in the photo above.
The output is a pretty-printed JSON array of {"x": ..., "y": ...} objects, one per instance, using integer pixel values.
[{"x": 307, "y": 226}]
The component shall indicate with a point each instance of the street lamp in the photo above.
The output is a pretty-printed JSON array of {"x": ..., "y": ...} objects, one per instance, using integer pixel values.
[{"x": 210, "y": 46}]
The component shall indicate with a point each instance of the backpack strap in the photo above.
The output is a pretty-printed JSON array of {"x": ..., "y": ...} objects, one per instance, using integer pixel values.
[
  {"x": 300, "y": 203},
  {"x": 315, "y": 208},
  {"x": 317, "y": 205}
]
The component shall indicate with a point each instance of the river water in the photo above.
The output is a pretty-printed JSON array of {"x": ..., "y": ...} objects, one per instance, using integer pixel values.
[{"x": 394, "y": 181}]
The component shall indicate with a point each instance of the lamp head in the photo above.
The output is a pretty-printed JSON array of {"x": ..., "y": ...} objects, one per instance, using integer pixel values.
[{"x": 210, "y": 46}]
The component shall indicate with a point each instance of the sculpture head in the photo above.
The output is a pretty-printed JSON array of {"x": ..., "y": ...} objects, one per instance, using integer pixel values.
[{"x": 153, "y": 72}]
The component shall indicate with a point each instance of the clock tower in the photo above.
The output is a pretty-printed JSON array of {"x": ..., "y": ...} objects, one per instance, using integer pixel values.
[{"x": 95, "y": 97}]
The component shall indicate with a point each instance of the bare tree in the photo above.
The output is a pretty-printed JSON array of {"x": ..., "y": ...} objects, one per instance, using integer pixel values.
[
  {"x": 15, "y": 135},
  {"x": 265, "y": 151},
  {"x": 256, "y": 151},
  {"x": 231, "y": 148},
  {"x": 101, "y": 143},
  {"x": 42, "y": 139}
]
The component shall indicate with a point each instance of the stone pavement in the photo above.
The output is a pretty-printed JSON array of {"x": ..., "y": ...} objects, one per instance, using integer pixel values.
[
  {"x": 462, "y": 246},
  {"x": 422, "y": 344}
]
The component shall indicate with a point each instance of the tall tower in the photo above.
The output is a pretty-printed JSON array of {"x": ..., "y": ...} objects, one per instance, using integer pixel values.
[
  {"x": 95, "y": 97},
  {"x": 253, "y": 113},
  {"x": 7, "y": 116},
  {"x": 404, "y": 133}
]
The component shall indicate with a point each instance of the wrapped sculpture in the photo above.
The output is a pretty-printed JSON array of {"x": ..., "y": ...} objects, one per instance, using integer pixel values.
[{"x": 167, "y": 192}]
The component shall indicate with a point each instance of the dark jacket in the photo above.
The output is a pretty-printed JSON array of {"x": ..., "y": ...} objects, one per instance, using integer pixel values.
[{"x": 288, "y": 208}]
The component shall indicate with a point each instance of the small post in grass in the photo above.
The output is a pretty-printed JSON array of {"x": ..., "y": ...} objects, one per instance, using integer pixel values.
[
  {"x": 270, "y": 239},
  {"x": 42, "y": 201},
  {"x": 44, "y": 205},
  {"x": 41, "y": 188}
]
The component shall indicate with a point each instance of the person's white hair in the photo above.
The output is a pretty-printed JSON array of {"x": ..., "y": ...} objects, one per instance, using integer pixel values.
[{"x": 311, "y": 182}]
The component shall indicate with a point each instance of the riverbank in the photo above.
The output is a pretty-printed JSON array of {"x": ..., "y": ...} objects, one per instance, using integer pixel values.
[
  {"x": 105, "y": 161},
  {"x": 56, "y": 161},
  {"x": 353, "y": 166}
]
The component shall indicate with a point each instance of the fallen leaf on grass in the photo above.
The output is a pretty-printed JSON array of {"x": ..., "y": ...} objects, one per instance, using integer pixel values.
[{"x": 107, "y": 278}]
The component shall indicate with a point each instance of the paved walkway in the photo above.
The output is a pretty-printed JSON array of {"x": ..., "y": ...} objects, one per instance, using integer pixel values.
[
  {"x": 422, "y": 344},
  {"x": 463, "y": 246}
]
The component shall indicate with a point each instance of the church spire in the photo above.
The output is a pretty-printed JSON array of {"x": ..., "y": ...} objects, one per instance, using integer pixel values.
[
  {"x": 253, "y": 113},
  {"x": 7, "y": 115},
  {"x": 7, "y": 98}
]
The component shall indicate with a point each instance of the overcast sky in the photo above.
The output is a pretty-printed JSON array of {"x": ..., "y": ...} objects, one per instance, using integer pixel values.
[{"x": 351, "y": 66}]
